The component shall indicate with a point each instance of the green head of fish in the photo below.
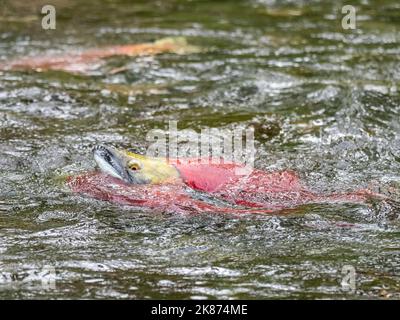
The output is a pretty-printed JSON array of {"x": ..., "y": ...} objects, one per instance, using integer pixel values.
[{"x": 133, "y": 168}]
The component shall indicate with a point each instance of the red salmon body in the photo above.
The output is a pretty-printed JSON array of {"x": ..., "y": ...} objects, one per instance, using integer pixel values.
[
  {"x": 255, "y": 192},
  {"x": 171, "y": 197}
]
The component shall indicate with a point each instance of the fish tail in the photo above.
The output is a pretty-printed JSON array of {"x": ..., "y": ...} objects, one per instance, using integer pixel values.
[
  {"x": 359, "y": 196},
  {"x": 178, "y": 45}
]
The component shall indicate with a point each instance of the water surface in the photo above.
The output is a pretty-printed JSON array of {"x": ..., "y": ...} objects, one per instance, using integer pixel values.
[{"x": 324, "y": 101}]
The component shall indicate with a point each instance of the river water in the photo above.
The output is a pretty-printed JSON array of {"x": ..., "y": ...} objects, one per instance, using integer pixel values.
[{"x": 324, "y": 101}]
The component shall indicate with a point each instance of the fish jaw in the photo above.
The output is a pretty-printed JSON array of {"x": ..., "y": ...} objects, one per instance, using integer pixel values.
[{"x": 111, "y": 162}]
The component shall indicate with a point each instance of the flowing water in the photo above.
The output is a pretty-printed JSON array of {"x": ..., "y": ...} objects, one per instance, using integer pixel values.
[{"x": 323, "y": 101}]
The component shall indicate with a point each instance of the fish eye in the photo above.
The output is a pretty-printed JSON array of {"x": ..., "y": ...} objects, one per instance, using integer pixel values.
[{"x": 134, "y": 166}]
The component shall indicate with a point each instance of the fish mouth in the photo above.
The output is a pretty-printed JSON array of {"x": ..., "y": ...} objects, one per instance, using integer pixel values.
[{"x": 112, "y": 162}]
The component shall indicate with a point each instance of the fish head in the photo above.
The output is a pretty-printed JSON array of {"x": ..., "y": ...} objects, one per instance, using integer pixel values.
[{"x": 133, "y": 168}]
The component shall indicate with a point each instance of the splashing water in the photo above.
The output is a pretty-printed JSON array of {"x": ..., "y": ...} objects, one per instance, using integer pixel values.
[{"x": 324, "y": 102}]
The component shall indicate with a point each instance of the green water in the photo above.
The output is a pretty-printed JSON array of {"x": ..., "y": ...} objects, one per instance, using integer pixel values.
[{"x": 324, "y": 101}]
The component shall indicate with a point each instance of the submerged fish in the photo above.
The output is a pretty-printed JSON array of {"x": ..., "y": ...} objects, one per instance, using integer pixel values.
[
  {"x": 196, "y": 186},
  {"x": 89, "y": 59}
]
